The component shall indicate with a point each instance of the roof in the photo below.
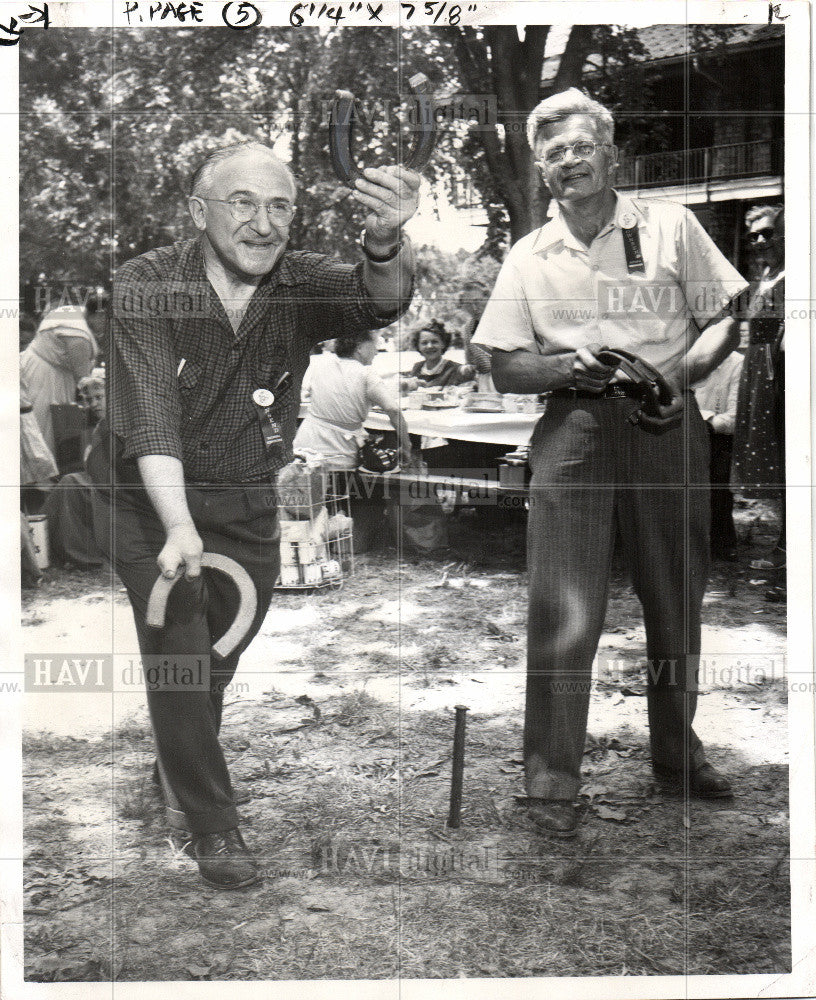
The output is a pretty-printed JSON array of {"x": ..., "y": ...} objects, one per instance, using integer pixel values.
[{"x": 673, "y": 41}]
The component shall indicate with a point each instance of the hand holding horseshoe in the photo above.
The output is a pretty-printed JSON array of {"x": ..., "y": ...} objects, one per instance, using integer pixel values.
[{"x": 391, "y": 194}]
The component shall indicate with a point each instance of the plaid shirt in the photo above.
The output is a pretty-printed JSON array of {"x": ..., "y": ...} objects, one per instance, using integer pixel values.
[{"x": 181, "y": 380}]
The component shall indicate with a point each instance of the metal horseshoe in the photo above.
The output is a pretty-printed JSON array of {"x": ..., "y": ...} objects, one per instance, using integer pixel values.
[
  {"x": 343, "y": 118},
  {"x": 247, "y": 601}
]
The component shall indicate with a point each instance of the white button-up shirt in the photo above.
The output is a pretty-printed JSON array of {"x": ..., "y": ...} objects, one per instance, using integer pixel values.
[{"x": 554, "y": 294}]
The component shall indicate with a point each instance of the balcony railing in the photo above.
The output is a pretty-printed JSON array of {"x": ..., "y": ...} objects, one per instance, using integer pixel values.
[{"x": 695, "y": 166}]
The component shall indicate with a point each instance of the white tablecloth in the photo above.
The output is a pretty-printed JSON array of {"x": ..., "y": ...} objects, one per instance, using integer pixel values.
[{"x": 461, "y": 425}]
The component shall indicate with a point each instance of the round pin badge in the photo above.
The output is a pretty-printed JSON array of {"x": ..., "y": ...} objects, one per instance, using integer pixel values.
[
  {"x": 262, "y": 397},
  {"x": 628, "y": 221}
]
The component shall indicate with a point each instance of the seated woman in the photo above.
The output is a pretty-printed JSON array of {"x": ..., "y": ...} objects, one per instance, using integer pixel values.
[
  {"x": 343, "y": 389},
  {"x": 436, "y": 371},
  {"x": 69, "y": 506},
  {"x": 61, "y": 353}
]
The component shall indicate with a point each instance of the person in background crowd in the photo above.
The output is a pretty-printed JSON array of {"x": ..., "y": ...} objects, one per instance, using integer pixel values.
[
  {"x": 343, "y": 388},
  {"x": 63, "y": 351},
  {"x": 759, "y": 433},
  {"x": 436, "y": 371},
  {"x": 717, "y": 398},
  {"x": 69, "y": 505},
  {"x": 594, "y": 442},
  {"x": 472, "y": 300},
  {"x": 91, "y": 392},
  {"x": 38, "y": 472}
]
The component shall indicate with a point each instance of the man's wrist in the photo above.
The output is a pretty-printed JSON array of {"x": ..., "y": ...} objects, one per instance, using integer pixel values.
[
  {"x": 379, "y": 249},
  {"x": 180, "y": 524}
]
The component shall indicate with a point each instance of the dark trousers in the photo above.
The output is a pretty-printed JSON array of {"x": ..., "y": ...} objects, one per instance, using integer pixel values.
[
  {"x": 723, "y": 532},
  {"x": 595, "y": 475},
  {"x": 239, "y": 522}
]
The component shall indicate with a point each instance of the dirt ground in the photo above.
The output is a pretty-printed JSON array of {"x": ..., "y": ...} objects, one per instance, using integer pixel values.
[{"x": 342, "y": 736}]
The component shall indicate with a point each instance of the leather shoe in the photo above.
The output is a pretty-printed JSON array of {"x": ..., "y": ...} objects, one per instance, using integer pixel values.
[
  {"x": 555, "y": 816},
  {"x": 705, "y": 782},
  {"x": 224, "y": 860}
]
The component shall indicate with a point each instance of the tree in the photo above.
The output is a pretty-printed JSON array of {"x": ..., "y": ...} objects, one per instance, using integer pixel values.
[
  {"x": 498, "y": 60},
  {"x": 116, "y": 121}
]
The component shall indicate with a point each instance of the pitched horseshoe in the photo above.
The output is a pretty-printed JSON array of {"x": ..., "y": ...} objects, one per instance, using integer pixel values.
[
  {"x": 344, "y": 115},
  {"x": 247, "y": 601}
]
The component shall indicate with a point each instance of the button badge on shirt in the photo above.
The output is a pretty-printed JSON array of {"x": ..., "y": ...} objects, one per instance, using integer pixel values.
[
  {"x": 263, "y": 397},
  {"x": 628, "y": 221}
]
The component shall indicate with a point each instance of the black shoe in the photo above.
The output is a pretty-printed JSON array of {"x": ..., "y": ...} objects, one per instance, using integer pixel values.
[
  {"x": 224, "y": 860},
  {"x": 555, "y": 816},
  {"x": 704, "y": 782}
]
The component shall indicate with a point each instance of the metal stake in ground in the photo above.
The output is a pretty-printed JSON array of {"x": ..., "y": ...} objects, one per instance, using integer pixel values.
[{"x": 454, "y": 815}]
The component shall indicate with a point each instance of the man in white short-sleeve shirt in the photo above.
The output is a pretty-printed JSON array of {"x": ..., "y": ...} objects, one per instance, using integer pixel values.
[{"x": 609, "y": 271}]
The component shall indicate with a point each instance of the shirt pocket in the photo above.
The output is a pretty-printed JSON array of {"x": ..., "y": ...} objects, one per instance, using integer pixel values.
[{"x": 267, "y": 370}]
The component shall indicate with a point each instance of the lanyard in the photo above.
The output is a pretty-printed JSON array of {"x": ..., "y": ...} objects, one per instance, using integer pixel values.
[{"x": 631, "y": 247}]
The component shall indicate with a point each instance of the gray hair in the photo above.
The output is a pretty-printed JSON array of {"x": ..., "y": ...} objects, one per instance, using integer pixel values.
[
  {"x": 559, "y": 107},
  {"x": 772, "y": 212},
  {"x": 202, "y": 177}
]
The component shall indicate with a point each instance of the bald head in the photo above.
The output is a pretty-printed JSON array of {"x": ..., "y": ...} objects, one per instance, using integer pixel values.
[{"x": 252, "y": 153}]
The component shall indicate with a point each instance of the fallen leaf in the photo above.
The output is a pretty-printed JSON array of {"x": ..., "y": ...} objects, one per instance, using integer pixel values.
[{"x": 615, "y": 815}]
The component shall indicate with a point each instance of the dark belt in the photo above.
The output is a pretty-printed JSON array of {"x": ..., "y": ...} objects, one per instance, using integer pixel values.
[{"x": 616, "y": 390}]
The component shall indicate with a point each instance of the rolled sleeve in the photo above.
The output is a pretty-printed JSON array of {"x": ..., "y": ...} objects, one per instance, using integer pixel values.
[
  {"x": 506, "y": 323},
  {"x": 708, "y": 279},
  {"x": 145, "y": 405},
  {"x": 343, "y": 301}
]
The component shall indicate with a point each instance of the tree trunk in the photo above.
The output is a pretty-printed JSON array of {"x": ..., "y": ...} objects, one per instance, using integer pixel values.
[{"x": 502, "y": 64}]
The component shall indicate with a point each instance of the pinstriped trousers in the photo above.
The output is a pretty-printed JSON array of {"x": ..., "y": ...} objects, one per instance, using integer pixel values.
[{"x": 595, "y": 475}]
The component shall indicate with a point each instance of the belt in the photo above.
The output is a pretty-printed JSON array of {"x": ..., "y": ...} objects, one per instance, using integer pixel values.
[{"x": 615, "y": 390}]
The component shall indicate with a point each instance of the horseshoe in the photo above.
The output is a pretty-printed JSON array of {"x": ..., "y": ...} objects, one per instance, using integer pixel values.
[
  {"x": 343, "y": 117},
  {"x": 247, "y": 604}
]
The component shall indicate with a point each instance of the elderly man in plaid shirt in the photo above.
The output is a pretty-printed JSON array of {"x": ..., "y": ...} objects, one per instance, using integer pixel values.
[{"x": 199, "y": 328}]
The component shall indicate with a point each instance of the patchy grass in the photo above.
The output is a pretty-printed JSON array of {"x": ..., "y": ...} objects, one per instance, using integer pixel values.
[{"x": 349, "y": 783}]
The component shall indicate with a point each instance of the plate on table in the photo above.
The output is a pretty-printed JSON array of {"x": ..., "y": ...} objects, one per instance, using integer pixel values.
[{"x": 440, "y": 404}]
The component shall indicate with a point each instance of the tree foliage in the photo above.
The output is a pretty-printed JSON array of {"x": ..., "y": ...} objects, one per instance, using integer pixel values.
[{"x": 115, "y": 122}]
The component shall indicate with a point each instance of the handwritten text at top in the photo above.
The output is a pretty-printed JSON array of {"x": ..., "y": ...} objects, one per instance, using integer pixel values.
[
  {"x": 241, "y": 14},
  {"x": 435, "y": 11},
  {"x": 10, "y": 31}
]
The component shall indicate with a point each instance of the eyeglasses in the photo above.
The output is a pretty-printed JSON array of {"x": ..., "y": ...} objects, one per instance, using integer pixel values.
[
  {"x": 244, "y": 210},
  {"x": 766, "y": 234},
  {"x": 584, "y": 149}
]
